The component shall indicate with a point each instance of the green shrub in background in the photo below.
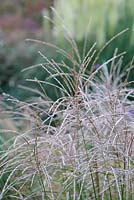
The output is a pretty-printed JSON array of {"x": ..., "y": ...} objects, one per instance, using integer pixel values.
[
  {"x": 12, "y": 60},
  {"x": 15, "y": 58}
]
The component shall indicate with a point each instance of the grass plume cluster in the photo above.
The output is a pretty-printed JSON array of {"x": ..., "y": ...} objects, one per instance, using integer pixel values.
[{"x": 79, "y": 146}]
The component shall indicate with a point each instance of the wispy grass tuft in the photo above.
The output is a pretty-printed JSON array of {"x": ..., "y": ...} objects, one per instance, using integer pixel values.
[{"x": 78, "y": 146}]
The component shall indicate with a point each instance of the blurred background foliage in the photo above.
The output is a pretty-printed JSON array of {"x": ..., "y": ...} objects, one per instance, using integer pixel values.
[{"x": 100, "y": 20}]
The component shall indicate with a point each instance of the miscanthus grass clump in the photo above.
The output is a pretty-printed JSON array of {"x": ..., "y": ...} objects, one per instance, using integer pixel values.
[{"x": 77, "y": 147}]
